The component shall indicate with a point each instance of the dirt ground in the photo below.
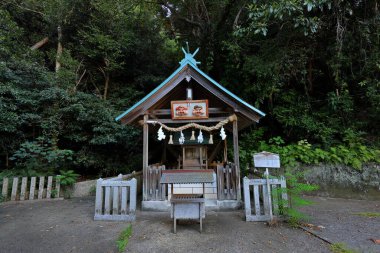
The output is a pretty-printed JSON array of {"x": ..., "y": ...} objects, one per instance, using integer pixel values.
[
  {"x": 68, "y": 226},
  {"x": 55, "y": 226},
  {"x": 342, "y": 224},
  {"x": 223, "y": 232}
]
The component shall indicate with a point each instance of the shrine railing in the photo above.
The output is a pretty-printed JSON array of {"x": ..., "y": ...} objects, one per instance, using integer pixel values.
[
  {"x": 154, "y": 190},
  {"x": 116, "y": 199},
  {"x": 226, "y": 181},
  {"x": 258, "y": 205}
]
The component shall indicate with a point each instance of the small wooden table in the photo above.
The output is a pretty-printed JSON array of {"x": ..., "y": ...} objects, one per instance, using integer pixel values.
[{"x": 187, "y": 206}]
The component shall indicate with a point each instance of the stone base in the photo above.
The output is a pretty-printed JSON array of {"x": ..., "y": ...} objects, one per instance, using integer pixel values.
[
  {"x": 211, "y": 205},
  {"x": 159, "y": 206},
  {"x": 229, "y": 204}
]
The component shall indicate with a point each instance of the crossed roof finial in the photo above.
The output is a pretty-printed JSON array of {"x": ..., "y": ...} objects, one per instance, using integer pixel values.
[{"x": 189, "y": 57}]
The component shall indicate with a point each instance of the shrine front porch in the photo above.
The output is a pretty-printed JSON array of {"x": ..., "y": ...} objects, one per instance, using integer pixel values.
[{"x": 222, "y": 194}]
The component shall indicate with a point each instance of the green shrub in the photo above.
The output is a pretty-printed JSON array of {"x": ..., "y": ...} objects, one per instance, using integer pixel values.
[
  {"x": 68, "y": 177},
  {"x": 67, "y": 180},
  {"x": 295, "y": 189},
  {"x": 54, "y": 193},
  {"x": 41, "y": 155}
]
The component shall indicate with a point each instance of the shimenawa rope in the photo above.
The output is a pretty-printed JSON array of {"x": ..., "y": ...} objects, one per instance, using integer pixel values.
[{"x": 195, "y": 125}]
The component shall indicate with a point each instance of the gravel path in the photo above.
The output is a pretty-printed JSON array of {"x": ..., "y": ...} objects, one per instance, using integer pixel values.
[
  {"x": 55, "y": 226},
  {"x": 222, "y": 232},
  {"x": 68, "y": 226},
  {"x": 342, "y": 224}
]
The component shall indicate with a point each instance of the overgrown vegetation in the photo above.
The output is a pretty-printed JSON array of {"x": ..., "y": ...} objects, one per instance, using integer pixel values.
[
  {"x": 123, "y": 240},
  {"x": 68, "y": 68},
  {"x": 353, "y": 154},
  {"x": 67, "y": 180},
  {"x": 350, "y": 153},
  {"x": 295, "y": 188},
  {"x": 341, "y": 248}
]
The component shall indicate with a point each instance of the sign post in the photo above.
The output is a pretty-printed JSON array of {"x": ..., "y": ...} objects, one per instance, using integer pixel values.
[{"x": 267, "y": 160}]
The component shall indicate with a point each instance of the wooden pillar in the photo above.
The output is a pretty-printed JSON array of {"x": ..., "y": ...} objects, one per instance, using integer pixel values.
[
  {"x": 145, "y": 156},
  {"x": 236, "y": 158}
]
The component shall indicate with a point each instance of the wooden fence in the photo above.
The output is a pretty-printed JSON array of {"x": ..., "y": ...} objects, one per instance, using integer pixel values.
[
  {"x": 116, "y": 199},
  {"x": 226, "y": 180},
  {"x": 28, "y": 189},
  {"x": 256, "y": 189},
  {"x": 155, "y": 190}
]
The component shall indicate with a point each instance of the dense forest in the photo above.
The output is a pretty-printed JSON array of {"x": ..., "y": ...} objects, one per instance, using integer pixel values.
[{"x": 68, "y": 68}]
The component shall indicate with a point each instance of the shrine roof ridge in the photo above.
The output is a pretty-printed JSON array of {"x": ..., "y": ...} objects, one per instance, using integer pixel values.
[{"x": 189, "y": 60}]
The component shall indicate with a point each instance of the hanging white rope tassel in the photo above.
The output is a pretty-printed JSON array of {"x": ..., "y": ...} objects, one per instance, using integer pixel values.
[
  {"x": 223, "y": 133},
  {"x": 170, "y": 139},
  {"x": 210, "y": 141},
  {"x": 200, "y": 137},
  {"x": 192, "y": 138},
  {"x": 181, "y": 139},
  {"x": 161, "y": 135}
]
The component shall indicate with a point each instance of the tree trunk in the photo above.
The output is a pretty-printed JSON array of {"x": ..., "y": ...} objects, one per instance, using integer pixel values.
[
  {"x": 6, "y": 160},
  {"x": 59, "y": 50},
  {"x": 106, "y": 85},
  {"x": 106, "y": 75},
  {"x": 54, "y": 135},
  {"x": 40, "y": 43},
  {"x": 310, "y": 76}
]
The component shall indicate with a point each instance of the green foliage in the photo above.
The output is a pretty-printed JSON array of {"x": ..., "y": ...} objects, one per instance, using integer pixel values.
[
  {"x": 352, "y": 153},
  {"x": 312, "y": 66},
  {"x": 54, "y": 193},
  {"x": 67, "y": 178},
  {"x": 295, "y": 189},
  {"x": 123, "y": 239},
  {"x": 262, "y": 13},
  {"x": 41, "y": 155},
  {"x": 341, "y": 248},
  {"x": 68, "y": 110}
]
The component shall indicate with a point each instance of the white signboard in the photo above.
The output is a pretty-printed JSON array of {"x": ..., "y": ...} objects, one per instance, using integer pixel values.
[{"x": 266, "y": 160}]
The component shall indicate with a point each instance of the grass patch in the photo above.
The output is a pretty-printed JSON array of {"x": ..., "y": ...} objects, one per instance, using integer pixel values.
[
  {"x": 122, "y": 242},
  {"x": 368, "y": 214},
  {"x": 341, "y": 248}
]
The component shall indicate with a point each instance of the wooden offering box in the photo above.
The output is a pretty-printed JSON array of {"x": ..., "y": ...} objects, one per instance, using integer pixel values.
[{"x": 187, "y": 206}]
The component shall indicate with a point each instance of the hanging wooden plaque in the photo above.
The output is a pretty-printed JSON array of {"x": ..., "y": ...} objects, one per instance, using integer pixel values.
[{"x": 189, "y": 109}]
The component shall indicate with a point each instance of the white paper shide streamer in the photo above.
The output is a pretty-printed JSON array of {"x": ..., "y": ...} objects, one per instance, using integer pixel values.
[
  {"x": 200, "y": 137},
  {"x": 181, "y": 139},
  {"x": 223, "y": 133},
  {"x": 161, "y": 135}
]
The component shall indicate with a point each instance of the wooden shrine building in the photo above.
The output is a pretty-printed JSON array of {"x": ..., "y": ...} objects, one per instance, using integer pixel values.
[{"x": 191, "y": 118}]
